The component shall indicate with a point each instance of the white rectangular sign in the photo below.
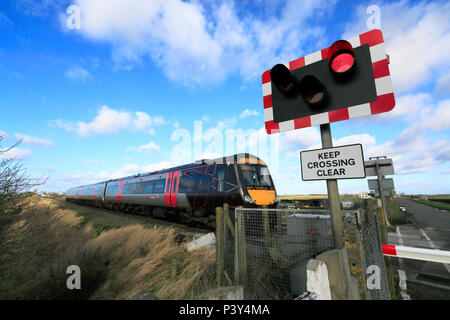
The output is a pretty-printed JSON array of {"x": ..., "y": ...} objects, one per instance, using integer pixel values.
[{"x": 345, "y": 162}]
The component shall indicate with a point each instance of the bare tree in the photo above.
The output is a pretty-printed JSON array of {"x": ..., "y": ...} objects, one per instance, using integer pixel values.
[{"x": 15, "y": 183}]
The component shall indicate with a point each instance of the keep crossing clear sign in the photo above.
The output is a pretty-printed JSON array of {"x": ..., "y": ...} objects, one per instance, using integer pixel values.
[{"x": 345, "y": 162}]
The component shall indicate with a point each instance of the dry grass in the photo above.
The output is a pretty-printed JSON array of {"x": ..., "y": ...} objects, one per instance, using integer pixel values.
[{"x": 117, "y": 255}]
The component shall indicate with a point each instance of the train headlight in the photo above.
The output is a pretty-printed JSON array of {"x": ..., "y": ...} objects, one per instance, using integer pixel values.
[{"x": 248, "y": 199}]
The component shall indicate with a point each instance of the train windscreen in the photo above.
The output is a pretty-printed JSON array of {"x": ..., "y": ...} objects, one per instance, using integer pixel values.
[{"x": 256, "y": 176}]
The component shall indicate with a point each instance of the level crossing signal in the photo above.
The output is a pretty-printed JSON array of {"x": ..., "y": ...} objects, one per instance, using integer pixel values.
[{"x": 347, "y": 80}]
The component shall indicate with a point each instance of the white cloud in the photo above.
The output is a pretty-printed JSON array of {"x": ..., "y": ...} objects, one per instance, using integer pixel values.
[
  {"x": 34, "y": 141},
  {"x": 365, "y": 139},
  {"x": 439, "y": 119},
  {"x": 303, "y": 139},
  {"x": 109, "y": 121},
  {"x": 143, "y": 122},
  {"x": 77, "y": 73},
  {"x": 247, "y": 113},
  {"x": 226, "y": 124},
  {"x": 408, "y": 108},
  {"x": 198, "y": 43},
  {"x": 150, "y": 148},
  {"x": 15, "y": 153},
  {"x": 417, "y": 38}
]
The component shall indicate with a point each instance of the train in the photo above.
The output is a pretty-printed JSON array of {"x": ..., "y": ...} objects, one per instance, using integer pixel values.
[{"x": 189, "y": 193}]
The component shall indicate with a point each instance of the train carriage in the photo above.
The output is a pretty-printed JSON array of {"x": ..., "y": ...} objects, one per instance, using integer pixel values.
[{"x": 190, "y": 192}]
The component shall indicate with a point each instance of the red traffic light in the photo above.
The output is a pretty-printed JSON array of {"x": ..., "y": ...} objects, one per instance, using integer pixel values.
[
  {"x": 352, "y": 80},
  {"x": 341, "y": 57}
]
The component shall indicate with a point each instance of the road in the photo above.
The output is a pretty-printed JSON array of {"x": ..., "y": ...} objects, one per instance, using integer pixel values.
[
  {"x": 426, "y": 216},
  {"x": 430, "y": 228}
]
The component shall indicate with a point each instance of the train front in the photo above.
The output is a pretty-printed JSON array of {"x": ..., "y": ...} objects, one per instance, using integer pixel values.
[{"x": 258, "y": 188}]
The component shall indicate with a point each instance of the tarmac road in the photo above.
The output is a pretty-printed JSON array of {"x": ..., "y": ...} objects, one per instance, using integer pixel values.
[
  {"x": 426, "y": 216},
  {"x": 430, "y": 229}
]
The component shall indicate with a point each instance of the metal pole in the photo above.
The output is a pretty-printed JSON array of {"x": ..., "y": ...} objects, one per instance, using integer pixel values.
[
  {"x": 380, "y": 188},
  {"x": 333, "y": 192}
]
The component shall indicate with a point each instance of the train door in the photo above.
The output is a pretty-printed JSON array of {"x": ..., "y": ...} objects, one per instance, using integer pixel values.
[
  {"x": 174, "y": 188},
  {"x": 119, "y": 191},
  {"x": 170, "y": 193},
  {"x": 167, "y": 189}
]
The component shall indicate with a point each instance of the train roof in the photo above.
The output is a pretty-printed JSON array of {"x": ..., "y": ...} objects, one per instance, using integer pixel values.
[{"x": 235, "y": 158}]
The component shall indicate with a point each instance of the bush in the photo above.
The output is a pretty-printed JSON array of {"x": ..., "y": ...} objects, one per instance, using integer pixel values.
[{"x": 15, "y": 184}]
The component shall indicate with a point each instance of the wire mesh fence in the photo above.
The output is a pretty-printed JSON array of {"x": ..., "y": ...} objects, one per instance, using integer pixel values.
[
  {"x": 266, "y": 250},
  {"x": 374, "y": 260}
]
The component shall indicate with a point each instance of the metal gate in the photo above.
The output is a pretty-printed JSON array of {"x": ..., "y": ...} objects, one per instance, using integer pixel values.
[{"x": 266, "y": 250}]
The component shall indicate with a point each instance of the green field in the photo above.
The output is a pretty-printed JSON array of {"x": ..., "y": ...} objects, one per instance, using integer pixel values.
[
  {"x": 303, "y": 197},
  {"x": 436, "y": 204}
]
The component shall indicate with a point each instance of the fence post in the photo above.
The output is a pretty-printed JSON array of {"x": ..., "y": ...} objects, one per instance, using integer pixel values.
[
  {"x": 219, "y": 245},
  {"x": 266, "y": 227},
  {"x": 224, "y": 240},
  {"x": 241, "y": 260},
  {"x": 387, "y": 260}
]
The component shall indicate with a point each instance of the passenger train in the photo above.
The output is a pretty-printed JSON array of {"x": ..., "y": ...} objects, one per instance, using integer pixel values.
[{"x": 189, "y": 192}]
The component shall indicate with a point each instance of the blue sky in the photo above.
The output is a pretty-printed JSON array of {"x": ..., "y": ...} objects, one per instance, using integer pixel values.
[{"x": 125, "y": 91}]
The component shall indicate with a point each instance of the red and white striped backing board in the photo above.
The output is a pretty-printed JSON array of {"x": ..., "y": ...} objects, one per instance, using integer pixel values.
[{"x": 383, "y": 85}]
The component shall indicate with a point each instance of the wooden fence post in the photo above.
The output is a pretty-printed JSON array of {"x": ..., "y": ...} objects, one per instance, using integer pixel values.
[
  {"x": 240, "y": 243},
  {"x": 219, "y": 245}
]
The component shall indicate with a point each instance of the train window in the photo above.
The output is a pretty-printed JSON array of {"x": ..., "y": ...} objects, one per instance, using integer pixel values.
[
  {"x": 111, "y": 189},
  {"x": 188, "y": 184},
  {"x": 174, "y": 185},
  {"x": 139, "y": 188},
  {"x": 231, "y": 183},
  {"x": 148, "y": 187},
  {"x": 167, "y": 185},
  {"x": 256, "y": 175},
  {"x": 203, "y": 183},
  {"x": 210, "y": 169},
  {"x": 159, "y": 186},
  {"x": 131, "y": 188}
]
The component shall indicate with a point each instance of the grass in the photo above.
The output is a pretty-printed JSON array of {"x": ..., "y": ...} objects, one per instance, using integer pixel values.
[
  {"x": 435, "y": 204},
  {"x": 396, "y": 216},
  {"x": 302, "y": 197},
  {"x": 118, "y": 255},
  {"x": 99, "y": 228}
]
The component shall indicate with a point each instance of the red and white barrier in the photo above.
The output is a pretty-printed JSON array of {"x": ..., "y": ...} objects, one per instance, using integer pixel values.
[{"x": 417, "y": 253}]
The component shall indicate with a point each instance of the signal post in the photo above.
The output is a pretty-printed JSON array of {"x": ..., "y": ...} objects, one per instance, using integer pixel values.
[
  {"x": 333, "y": 192},
  {"x": 347, "y": 80}
]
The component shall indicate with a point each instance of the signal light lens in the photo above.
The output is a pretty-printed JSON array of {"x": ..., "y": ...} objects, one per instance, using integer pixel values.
[
  {"x": 342, "y": 62},
  {"x": 282, "y": 77},
  {"x": 313, "y": 91},
  {"x": 341, "y": 57}
]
